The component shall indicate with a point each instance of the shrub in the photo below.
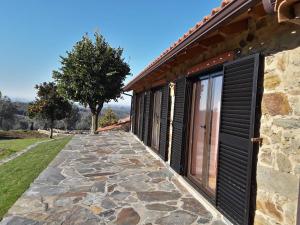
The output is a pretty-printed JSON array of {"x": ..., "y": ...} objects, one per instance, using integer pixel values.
[{"x": 109, "y": 118}]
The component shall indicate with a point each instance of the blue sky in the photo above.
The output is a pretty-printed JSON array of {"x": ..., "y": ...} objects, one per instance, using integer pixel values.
[{"x": 34, "y": 33}]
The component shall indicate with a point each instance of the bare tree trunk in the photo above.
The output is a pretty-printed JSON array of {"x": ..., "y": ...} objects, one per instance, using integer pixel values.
[
  {"x": 94, "y": 127},
  {"x": 95, "y": 118},
  {"x": 65, "y": 124},
  {"x": 51, "y": 129},
  {"x": 31, "y": 126}
]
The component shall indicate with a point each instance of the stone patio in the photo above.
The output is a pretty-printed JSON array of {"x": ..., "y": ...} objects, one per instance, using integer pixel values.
[{"x": 107, "y": 179}]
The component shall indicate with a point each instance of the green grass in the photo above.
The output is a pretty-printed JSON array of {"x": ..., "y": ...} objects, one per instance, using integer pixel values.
[
  {"x": 9, "y": 147},
  {"x": 17, "y": 175},
  {"x": 21, "y": 134}
]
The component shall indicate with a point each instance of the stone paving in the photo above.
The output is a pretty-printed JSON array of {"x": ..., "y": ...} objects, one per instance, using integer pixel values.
[{"x": 108, "y": 179}]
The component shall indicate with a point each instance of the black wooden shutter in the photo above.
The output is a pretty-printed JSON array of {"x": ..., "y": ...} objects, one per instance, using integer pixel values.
[
  {"x": 141, "y": 122},
  {"x": 147, "y": 118},
  {"x": 133, "y": 113},
  {"x": 164, "y": 123},
  {"x": 179, "y": 126},
  {"x": 238, "y": 114}
]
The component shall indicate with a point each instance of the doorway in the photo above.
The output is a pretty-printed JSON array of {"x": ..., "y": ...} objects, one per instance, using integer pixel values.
[
  {"x": 156, "y": 115},
  {"x": 204, "y": 132},
  {"x": 139, "y": 114}
]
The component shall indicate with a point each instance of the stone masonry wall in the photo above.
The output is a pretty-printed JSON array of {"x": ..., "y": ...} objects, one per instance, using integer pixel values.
[{"x": 278, "y": 168}]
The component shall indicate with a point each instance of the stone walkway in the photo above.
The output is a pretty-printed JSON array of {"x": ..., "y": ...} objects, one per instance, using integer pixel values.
[{"x": 109, "y": 179}]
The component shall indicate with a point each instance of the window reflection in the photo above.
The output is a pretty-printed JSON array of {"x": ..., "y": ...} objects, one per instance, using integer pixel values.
[
  {"x": 201, "y": 94},
  {"x": 214, "y": 136},
  {"x": 204, "y": 136}
]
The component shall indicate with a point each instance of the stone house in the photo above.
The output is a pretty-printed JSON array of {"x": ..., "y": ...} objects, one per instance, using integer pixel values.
[{"x": 221, "y": 107}]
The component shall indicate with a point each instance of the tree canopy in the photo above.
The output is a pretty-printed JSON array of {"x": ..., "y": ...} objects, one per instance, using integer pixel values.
[
  {"x": 49, "y": 104},
  {"x": 72, "y": 118},
  {"x": 92, "y": 73},
  {"x": 7, "y": 112}
]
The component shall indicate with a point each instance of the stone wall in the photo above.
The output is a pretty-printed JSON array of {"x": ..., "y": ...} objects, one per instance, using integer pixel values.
[
  {"x": 264, "y": 36},
  {"x": 278, "y": 168}
]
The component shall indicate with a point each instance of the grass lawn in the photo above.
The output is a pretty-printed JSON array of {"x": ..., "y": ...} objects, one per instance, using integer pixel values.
[
  {"x": 8, "y": 147},
  {"x": 20, "y": 134},
  {"x": 17, "y": 175}
]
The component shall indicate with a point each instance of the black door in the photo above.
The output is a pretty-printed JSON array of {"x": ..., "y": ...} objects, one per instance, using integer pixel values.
[
  {"x": 147, "y": 117},
  {"x": 133, "y": 113},
  {"x": 179, "y": 131},
  {"x": 164, "y": 123},
  {"x": 141, "y": 115},
  {"x": 138, "y": 114},
  {"x": 236, "y": 150}
]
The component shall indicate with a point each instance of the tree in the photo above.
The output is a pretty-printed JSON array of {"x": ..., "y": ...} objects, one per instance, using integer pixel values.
[
  {"x": 7, "y": 112},
  {"x": 49, "y": 105},
  {"x": 84, "y": 123},
  {"x": 109, "y": 118},
  {"x": 92, "y": 74},
  {"x": 72, "y": 118}
]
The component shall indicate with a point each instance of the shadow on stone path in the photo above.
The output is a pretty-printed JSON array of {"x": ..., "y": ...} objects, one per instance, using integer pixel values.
[{"x": 107, "y": 179}]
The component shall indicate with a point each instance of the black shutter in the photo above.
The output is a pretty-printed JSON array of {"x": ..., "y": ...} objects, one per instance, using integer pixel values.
[
  {"x": 141, "y": 122},
  {"x": 179, "y": 126},
  {"x": 147, "y": 118},
  {"x": 237, "y": 126},
  {"x": 164, "y": 123},
  {"x": 133, "y": 113}
]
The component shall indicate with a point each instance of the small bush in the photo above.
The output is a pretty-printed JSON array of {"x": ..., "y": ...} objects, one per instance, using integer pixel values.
[{"x": 109, "y": 118}]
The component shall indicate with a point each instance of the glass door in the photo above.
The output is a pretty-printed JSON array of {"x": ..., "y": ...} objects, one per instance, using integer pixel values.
[
  {"x": 204, "y": 132},
  {"x": 138, "y": 114},
  {"x": 157, "y": 95},
  {"x": 199, "y": 117}
]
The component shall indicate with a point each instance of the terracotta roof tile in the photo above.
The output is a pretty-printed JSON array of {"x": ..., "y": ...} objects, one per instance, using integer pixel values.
[
  {"x": 215, "y": 11},
  {"x": 225, "y": 2},
  {"x": 190, "y": 32},
  {"x": 207, "y": 18},
  {"x": 119, "y": 125}
]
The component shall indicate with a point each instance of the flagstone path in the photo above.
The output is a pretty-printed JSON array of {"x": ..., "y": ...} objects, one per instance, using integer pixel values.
[{"x": 107, "y": 179}]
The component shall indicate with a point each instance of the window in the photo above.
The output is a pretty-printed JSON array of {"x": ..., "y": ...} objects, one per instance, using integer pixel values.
[
  {"x": 204, "y": 132},
  {"x": 139, "y": 114},
  {"x": 156, "y": 114}
]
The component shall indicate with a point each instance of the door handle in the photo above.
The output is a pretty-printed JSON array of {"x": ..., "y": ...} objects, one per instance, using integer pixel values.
[
  {"x": 258, "y": 140},
  {"x": 203, "y": 126}
]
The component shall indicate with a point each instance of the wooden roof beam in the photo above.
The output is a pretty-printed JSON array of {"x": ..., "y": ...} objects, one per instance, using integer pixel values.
[
  {"x": 257, "y": 11},
  {"x": 234, "y": 28},
  {"x": 212, "y": 40},
  {"x": 158, "y": 83},
  {"x": 199, "y": 45}
]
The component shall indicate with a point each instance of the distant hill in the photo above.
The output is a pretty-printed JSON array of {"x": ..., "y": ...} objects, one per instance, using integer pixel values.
[
  {"x": 120, "y": 110},
  {"x": 22, "y": 121}
]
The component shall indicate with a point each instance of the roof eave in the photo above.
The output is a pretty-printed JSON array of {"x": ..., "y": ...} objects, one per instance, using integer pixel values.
[{"x": 230, "y": 11}]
